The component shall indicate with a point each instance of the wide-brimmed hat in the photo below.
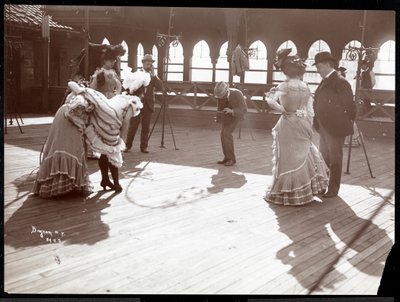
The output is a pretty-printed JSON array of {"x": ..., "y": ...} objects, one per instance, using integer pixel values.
[
  {"x": 221, "y": 88},
  {"x": 148, "y": 58},
  {"x": 112, "y": 52},
  {"x": 324, "y": 56}
]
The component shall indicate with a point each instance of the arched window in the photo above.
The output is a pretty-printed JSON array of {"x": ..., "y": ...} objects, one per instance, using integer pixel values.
[
  {"x": 201, "y": 67},
  {"x": 139, "y": 55},
  {"x": 278, "y": 75},
  {"x": 175, "y": 62},
  {"x": 105, "y": 42},
  {"x": 311, "y": 76},
  {"x": 258, "y": 64},
  {"x": 350, "y": 65},
  {"x": 385, "y": 66},
  {"x": 222, "y": 66},
  {"x": 125, "y": 69},
  {"x": 154, "y": 52}
]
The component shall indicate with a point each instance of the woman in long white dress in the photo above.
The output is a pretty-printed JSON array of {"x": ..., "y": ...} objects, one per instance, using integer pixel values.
[{"x": 299, "y": 172}]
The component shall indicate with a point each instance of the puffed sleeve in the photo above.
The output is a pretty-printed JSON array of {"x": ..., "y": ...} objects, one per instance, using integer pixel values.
[
  {"x": 310, "y": 108},
  {"x": 273, "y": 96},
  {"x": 93, "y": 80},
  {"x": 125, "y": 123},
  {"x": 118, "y": 85}
]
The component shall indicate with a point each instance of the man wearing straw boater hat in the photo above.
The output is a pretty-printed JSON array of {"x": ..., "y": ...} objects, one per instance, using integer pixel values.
[
  {"x": 231, "y": 109},
  {"x": 335, "y": 111},
  {"x": 148, "y": 108}
]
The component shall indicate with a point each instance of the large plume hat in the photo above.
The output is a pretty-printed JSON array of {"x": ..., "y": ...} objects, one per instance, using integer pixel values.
[
  {"x": 135, "y": 80},
  {"x": 290, "y": 65},
  {"x": 112, "y": 52}
]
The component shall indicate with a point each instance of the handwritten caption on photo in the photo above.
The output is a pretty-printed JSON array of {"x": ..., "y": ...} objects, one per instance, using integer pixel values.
[{"x": 48, "y": 236}]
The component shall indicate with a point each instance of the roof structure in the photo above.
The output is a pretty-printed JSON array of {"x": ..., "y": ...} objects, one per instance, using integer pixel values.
[{"x": 30, "y": 16}]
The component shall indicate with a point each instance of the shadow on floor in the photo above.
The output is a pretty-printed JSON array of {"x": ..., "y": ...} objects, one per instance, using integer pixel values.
[
  {"x": 320, "y": 232},
  {"x": 226, "y": 179}
]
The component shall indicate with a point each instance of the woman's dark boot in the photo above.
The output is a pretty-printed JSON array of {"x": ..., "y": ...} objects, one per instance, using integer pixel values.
[
  {"x": 115, "y": 177},
  {"x": 105, "y": 181}
]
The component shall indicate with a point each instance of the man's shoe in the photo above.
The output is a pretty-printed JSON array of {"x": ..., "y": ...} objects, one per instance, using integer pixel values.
[
  {"x": 329, "y": 195},
  {"x": 221, "y": 162},
  {"x": 144, "y": 150},
  {"x": 230, "y": 163}
]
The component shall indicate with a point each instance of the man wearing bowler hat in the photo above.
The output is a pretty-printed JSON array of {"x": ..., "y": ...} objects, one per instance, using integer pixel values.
[
  {"x": 335, "y": 111},
  {"x": 231, "y": 109},
  {"x": 148, "y": 108}
]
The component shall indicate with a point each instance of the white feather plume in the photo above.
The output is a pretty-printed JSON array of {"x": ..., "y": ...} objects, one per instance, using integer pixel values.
[{"x": 135, "y": 80}]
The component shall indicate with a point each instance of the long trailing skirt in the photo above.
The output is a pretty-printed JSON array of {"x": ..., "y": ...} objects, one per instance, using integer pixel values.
[
  {"x": 299, "y": 171},
  {"x": 63, "y": 169}
]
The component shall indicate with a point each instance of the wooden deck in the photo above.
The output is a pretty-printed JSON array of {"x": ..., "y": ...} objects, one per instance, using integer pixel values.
[{"x": 184, "y": 224}]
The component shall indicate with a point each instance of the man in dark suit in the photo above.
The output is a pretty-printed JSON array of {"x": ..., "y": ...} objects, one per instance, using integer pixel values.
[
  {"x": 231, "y": 110},
  {"x": 148, "y": 108},
  {"x": 335, "y": 111}
]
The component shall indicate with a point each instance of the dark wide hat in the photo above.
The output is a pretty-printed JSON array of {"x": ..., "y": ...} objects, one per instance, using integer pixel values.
[
  {"x": 324, "y": 56},
  {"x": 112, "y": 52}
]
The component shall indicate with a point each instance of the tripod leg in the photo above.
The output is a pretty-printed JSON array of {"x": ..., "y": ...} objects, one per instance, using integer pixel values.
[
  {"x": 5, "y": 123},
  {"x": 19, "y": 126},
  {"x": 172, "y": 131},
  {"x": 20, "y": 117},
  {"x": 155, "y": 123},
  {"x": 251, "y": 134},
  {"x": 349, "y": 155},
  {"x": 163, "y": 125},
  {"x": 366, "y": 155},
  {"x": 240, "y": 130}
]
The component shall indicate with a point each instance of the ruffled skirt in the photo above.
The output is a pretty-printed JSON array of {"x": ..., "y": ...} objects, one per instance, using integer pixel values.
[
  {"x": 63, "y": 169},
  {"x": 299, "y": 171}
]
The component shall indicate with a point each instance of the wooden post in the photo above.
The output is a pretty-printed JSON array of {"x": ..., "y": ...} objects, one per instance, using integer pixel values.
[
  {"x": 214, "y": 70},
  {"x": 187, "y": 62},
  {"x": 46, "y": 60},
  {"x": 360, "y": 56},
  {"x": 270, "y": 68},
  {"x": 87, "y": 43}
]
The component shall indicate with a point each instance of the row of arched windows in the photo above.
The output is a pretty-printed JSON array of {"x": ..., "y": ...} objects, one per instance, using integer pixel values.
[{"x": 201, "y": 67}]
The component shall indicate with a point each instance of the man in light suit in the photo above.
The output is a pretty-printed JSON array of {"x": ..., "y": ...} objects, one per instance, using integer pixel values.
[
  {"x": 335, "y": 111},
  {"x": 231, "y": 109}
]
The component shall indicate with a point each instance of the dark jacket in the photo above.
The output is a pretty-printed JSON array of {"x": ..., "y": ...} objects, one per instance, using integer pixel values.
[
  {"x": 235, "y": 102},
  {"x": 149, "y": 99},
  {"x": 334, "y": 106}
]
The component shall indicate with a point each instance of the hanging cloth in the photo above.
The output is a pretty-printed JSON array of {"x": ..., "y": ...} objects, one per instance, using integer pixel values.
[{"x": 240, "y": 61}]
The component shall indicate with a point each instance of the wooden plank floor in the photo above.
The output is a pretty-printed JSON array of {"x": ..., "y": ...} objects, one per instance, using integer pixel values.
[{"x": 184, "y": 224}]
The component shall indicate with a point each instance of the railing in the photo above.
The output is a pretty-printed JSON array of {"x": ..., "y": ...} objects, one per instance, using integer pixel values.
[
  {"x": 199, "y": 96},
  {"x": 382, "y": 99}
]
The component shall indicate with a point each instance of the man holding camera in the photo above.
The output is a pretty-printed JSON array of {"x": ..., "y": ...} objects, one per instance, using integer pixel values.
[
  {"x": 231, "y": 110},
  {"x": 148, "y": 108}
]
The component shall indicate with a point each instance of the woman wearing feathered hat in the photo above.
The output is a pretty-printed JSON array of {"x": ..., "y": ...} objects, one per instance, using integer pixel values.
[
  {"x": 106, "y": 79},
  {"x": 299, "y": 172}
]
